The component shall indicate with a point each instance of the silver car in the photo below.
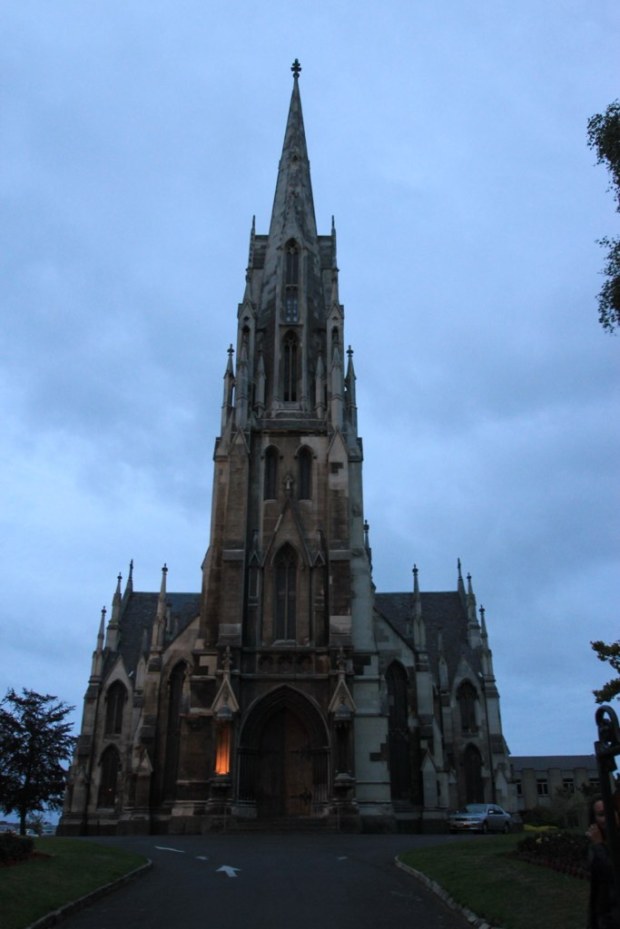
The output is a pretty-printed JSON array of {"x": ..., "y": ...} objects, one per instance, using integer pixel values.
[{"x": 480, "y": 817}]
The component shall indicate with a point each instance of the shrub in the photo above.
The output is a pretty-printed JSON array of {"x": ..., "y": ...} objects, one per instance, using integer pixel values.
[
  {"x": 564, "y": 851},
  {"x": 15, "y": 847},
  {"x": 540, "y": 816}
]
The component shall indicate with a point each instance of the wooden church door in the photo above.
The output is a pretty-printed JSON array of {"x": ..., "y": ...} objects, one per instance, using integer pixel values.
[{"x": 285, "y": 767}]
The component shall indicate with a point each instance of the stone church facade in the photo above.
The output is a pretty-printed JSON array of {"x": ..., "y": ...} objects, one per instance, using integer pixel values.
[{"x": 288, "y": 688}]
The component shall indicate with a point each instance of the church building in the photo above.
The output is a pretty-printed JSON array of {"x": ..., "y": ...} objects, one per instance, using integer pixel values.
[{"x": 288, "y": 690}]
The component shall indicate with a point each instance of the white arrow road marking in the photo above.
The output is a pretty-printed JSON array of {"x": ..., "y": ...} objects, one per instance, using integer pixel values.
[
  {"x": 226, "y": 868},
  {"x": 164, "y": 848},
  {"x": 202, "y": 858}
]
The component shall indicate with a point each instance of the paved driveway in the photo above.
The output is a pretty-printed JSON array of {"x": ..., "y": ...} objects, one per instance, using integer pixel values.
[{"x": 270, "y": 882}]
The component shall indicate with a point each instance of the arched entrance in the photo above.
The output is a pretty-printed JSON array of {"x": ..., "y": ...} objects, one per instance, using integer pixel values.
[
  {"x": 472, "y": 774},
  {"x": 283, "y": 756},
  {"x": 398, "y": 732}
]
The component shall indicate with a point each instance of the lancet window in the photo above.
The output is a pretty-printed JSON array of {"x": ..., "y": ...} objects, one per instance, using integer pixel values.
[
  {"x": 304, "y": 468},
  {"x": 291, "y": 283},
  {"x": 108, "y": 785},
  {"x": 467, "y": 698},
  {"x": 290, "y": 361},
  {"x": 115, "y": 704},
  {"x": 271, "y": 473}
]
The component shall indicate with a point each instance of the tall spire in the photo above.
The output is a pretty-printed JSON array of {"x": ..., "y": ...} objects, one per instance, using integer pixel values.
[{"x": 293, "y": 205}]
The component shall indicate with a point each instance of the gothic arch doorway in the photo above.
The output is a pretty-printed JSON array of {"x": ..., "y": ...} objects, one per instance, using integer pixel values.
[
  {"x": 283, "y": 756},
  {"x": 472, "y": 775},
  {"x": 398, "y": 731}
]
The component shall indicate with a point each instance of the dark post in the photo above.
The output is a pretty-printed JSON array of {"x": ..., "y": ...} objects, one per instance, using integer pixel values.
[{"x": 606, "y": 748}]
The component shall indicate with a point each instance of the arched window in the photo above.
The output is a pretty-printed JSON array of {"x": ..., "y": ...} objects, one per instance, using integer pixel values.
[
  {"x": 289, "y": 368},
  {"x": 271, "y": 473},
  {"x": 304, "y": 467},
  {"x": 291, "y": 283},
  {"x": 472, "y": 772},
  {"x": 115, "y": 704},
  {"x": 285, "y": 578},
  {"x": 110, "y": 764},
  {"x": 466, "y": 698},
  {"x": 173, "y": 733},
  {"x": 398, "y": 732}
]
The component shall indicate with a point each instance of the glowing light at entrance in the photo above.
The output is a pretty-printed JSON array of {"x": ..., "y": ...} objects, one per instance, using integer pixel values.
[{"x": 222, "y": 757}]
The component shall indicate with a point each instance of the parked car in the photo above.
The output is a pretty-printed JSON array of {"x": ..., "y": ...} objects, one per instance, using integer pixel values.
[{"x": 480, "y": 817}]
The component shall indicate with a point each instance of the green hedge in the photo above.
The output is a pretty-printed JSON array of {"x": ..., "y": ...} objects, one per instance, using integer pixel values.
[{"x": 15, "y": 847}]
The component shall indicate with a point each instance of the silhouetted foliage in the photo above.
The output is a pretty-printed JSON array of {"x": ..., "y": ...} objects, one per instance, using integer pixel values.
[
  {"x": 610, "y": 653},
  {"x": 35, "y": 740},
  {"x": 604, "y": 139}
]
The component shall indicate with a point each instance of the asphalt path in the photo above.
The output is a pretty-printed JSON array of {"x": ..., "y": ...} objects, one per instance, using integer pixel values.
[{"x": 261, "y": 881}]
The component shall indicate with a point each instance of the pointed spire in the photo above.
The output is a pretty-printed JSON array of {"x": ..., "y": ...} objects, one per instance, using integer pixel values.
[
  {"x": 159, "y": 626},
  {"x": 416, "y": 585},
  {"x": 96, "y": 667},
  {"x": 112, "y": 631},
  {"x": 367, "y": 543},
  {"x": 101, "y": 633},
  {"x": 293, "y": 205},
  {"x": 252, "y": 242},
  {"x": 334, "y": 247},
  {"x": 229, "y": 385},
  {"x": 483, "y": 622},
  {"x": 460, "y": 586},
  {"x": 473, "y": 629},
  {"x": 129, "y": 584},
  {"x": 349, "y": 389}
]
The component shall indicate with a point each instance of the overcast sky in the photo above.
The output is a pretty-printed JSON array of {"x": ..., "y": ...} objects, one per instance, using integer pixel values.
[{"x": 138, "y": 138}]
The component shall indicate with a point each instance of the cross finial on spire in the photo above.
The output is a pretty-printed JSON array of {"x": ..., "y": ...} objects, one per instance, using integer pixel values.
[{"x": 296, "y": 68}]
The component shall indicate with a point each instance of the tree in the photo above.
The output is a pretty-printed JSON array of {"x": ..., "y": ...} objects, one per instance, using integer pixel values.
[
  {"x": 35, "y": 739},
  {"x": 610, "y": 653},
  {"x": 604, "y": 139}
]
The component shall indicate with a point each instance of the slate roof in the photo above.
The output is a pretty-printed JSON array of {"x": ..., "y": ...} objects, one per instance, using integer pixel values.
[
  {"x": 441, "y": 611},
  {"x": 138, "y": 614}
]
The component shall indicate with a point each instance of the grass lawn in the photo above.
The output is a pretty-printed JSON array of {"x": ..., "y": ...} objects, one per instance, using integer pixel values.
[
  {"x": 75, "y": 867},
  {"x": 479, "y": 874}
]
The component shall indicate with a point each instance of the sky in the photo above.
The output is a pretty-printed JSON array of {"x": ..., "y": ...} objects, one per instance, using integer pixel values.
[{"x": 138, "y": 139}]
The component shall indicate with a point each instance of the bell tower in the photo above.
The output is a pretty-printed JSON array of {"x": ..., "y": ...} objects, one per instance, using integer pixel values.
[{"x": 287, "y": 592}]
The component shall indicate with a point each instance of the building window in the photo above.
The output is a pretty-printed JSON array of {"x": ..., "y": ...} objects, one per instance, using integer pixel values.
[
  {"x": 286, "y": 593},
  {"x": 176, "y": 684},
  {"x": 467, "y": 697},
  {"x": 108, "y": 785},
  {"x": 291, "y": 283},
  {"x": 472, "y": 773},
  {"x": 304, "y": 465},
  {"x": 271, "y": 473},
  {"x": 115, "y": 704},
  {"x": 568, "y": 784},
  {"x": 398, "y": 731},
  {"x": 542, "y": 788},
  {"x": 290, "y": 366},
  {"x": 519, "y": 787}
]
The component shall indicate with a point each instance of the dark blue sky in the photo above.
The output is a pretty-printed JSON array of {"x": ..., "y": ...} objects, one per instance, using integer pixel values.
[{"x": 139, "y": 138}]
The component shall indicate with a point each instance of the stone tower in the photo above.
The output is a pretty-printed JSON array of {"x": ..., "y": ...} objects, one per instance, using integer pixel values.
[
  {"x": 287, "y": 594},
  {"x": 288, "y": 688}
]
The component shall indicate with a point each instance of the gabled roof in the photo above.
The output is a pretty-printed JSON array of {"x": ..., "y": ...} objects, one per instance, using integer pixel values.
[
  {"x": 138, "y": 616},
  {"x": 443, "y": 612}
]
